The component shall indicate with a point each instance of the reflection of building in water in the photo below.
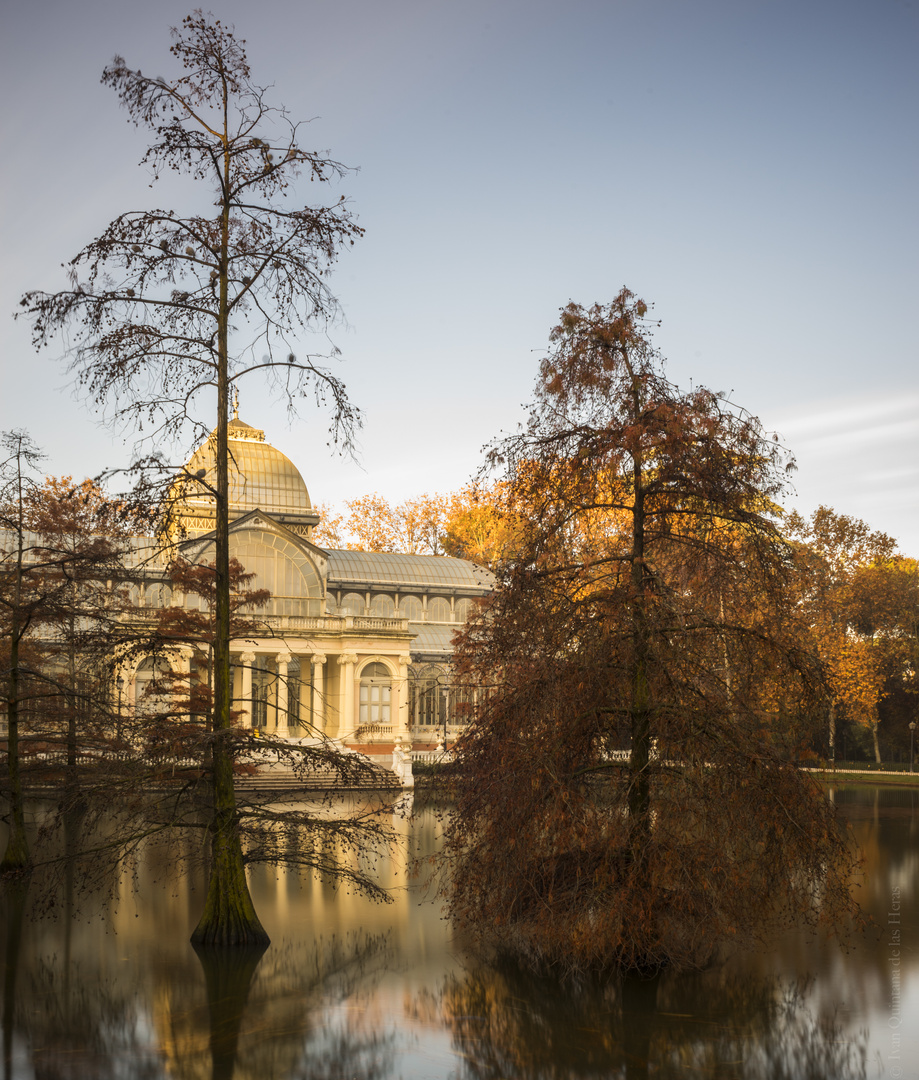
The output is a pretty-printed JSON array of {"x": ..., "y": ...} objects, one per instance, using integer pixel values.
[{"x": 354, "y": 644}]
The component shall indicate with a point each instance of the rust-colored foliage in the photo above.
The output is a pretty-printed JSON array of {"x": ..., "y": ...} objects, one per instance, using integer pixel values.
[
  {"x": 473, "y": 523},
  {"x": 182, "y": 644},
  {"x": 61, "y": 570},
  {"x": 859, "y": 598},
  {"x": 627, "y": 796}
]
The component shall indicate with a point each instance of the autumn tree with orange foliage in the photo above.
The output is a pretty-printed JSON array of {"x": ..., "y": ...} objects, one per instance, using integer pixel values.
[
  {"x": 83, "y": 535},
  {"x": 62, "y": 573},
  {"x": 627, "y": 796},
  {"x": 470, "y": 524},
  {"x": 372, "y": 523},
  {"x": 836, "y": 552},
  {"x": 180, "y": 643}
]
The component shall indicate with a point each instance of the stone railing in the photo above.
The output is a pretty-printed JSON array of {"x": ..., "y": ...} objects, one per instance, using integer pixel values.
[
  {"x": 334, "y": 624},
  {"x": 432, "y": 757},
  {"x": 376, "y": 623},
  {"x": 367, "y": 731}
]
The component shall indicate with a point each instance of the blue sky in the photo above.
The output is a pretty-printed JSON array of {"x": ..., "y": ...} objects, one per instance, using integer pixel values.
[{"x": 750, "y": 168}]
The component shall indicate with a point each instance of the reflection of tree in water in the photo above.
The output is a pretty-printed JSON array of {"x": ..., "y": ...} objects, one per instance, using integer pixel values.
[
  {"x": 75, "y": 1023},
  {"x": 82, "y": 1026},
  {"x": 262, "y": 1016},
  {"x": 507, "y": 1023},
  {"x": 233, "y": 1016}
]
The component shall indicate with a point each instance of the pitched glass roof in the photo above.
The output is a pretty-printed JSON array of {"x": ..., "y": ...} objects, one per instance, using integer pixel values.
[
  {"x": 412, "y": 571},
  {"x": 429, "y": 638}
]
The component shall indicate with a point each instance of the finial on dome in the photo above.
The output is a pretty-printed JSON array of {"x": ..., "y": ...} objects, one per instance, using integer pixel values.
[{"x": 235, "y": 402}]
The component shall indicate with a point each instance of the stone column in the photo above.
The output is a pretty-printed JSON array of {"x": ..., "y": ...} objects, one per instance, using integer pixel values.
[
  {"x": 130, "y": 678},
  {"x": 247, "y": 660},
  {"x": 183, "y": 670},
  {"x": 346, "y": 723},
  {"x": 402, "y": 726},
  {"x": 317, "y": 700},
  {"x": 282, "y": 698},
  {"x": 401, "y": 721}
]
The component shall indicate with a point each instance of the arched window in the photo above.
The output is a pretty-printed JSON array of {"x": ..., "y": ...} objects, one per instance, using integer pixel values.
[
  {"x": 410, "y": 606},
  {"x": 438, "y": 609},
  {"x": 352, "y": 603},
  {"x": 279, "y": 566},
  {"x": 461, "y": 610},
  {"x": 153, "y": 687},
  {"x": 382, "y": 606},
  {"x": 376, "y": 695},
  {"x": 427, "y": 703}
]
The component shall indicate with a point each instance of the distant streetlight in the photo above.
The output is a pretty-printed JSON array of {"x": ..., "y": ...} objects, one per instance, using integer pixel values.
[{"x": 912, "y": 735}]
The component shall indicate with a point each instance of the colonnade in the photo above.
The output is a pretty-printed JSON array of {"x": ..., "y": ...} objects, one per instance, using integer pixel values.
[
  {"x": 324, "y": 698},
  {"x": 328, "y": 697}
]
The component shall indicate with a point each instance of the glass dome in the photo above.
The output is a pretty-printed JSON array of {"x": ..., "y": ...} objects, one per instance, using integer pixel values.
[{"x": 261, "y": 477}]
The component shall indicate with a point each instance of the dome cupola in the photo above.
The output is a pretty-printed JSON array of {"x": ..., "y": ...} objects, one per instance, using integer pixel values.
[{"x": 260, "y": 478}]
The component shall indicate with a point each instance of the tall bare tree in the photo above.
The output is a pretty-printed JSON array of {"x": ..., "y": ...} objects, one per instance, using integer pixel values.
[
  {"x": 21, "y": 600},
  {"x": 167, "y": 312}
]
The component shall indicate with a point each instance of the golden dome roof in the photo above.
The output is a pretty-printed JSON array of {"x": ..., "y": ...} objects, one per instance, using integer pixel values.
[{"x": 260, "y": 476}]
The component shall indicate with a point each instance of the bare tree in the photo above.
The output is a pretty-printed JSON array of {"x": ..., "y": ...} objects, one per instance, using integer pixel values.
[
  {"x": 20, "y": 601},
  {"x": 166, "y": 313}
]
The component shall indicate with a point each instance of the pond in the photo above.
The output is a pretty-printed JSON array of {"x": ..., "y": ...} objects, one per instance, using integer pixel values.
[{"x": 351, "y": 989}]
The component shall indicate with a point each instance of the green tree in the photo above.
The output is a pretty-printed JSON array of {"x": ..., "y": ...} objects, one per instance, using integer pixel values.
[
  {"x": 626, "y": 797},
  {"x": 165, "y": 310}
]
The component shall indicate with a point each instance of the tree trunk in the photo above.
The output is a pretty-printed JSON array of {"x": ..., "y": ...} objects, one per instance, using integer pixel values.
[
  {"x": 874, "y": 736},
  {"x": 16, "y": 857},
  {"x": 639, "y": 798},
  {"x": 228, "y": 977},
  {"x": 831, "y": 717},
  {"x": 229, "y": 917}
]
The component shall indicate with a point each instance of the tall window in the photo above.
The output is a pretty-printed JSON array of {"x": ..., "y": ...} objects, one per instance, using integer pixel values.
[
  {"x": 261, "y": 678},
  {"x": 382, "y": 606},
  {"x": 426, "y": 700},
  {"x": 410, "y": 606},
  {"x": 293, "y": 693},
  {"x": 351, "y": 604},
  {"x": 376, "y": 695},
  {"x": 438, "y": 609}
]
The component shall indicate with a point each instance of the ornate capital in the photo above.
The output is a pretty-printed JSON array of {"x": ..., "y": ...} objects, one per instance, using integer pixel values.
[
  {"x": 405, "y": 659},
  {"x": 318, "y": 659},
  {"x": 247, "y": 657},
  {"x": 347, "y": 658},
  {"x": 284, "y": 657}
]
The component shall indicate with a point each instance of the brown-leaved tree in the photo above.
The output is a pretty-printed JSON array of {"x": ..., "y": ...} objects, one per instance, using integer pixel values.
[
  {"x": 627, "y": 796},
  {"x": 62, "y": 547}
]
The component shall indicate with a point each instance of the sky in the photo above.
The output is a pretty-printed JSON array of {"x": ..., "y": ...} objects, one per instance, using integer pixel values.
[{"x": 749, "y": 168}]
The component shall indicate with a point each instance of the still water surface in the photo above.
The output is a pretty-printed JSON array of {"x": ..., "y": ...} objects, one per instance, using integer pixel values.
[{"x": 351, "y": 989}]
